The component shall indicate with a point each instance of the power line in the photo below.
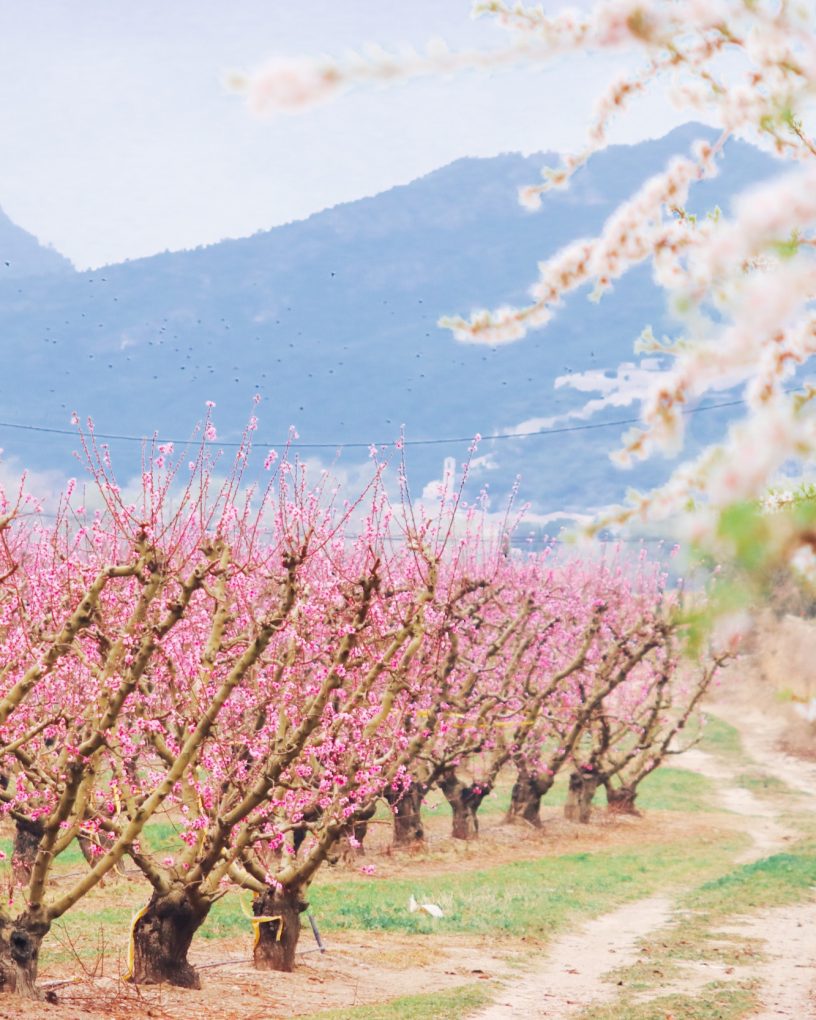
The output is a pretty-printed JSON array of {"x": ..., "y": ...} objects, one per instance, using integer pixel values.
[{"x": 451, "y": 440}]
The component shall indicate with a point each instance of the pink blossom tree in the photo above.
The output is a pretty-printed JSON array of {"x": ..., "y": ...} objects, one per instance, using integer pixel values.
[
  {"x": 228, "y": 657},
  {"x": 299, "y": 756},
  {"x": 315, "y": 730},
  {"x": 645, "y": 722},
  {"x": 95, "y": 610}
]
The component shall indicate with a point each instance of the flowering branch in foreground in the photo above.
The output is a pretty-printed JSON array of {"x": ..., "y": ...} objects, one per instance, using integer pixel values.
[{"x": 741, "y": 286}]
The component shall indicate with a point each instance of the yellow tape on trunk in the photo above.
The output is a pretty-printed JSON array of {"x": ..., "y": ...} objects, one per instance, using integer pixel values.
[
  {"x": 131, "y": 956},
  {"x": 256, "y": 921}
]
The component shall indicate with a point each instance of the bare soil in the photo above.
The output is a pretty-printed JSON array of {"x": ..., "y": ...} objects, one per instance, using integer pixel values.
[
  {"x": 353, "y": 972},
  {"x": 788, "y": 977}
]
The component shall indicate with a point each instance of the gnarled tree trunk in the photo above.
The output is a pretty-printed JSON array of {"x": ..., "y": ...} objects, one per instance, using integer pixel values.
[
  {"x": 20, "y": 943},
  {"x": 162, "y": 937},
  {"x": 582, "y": 786},
  {"x": 525, "y": 797},
  {"x": 621, "y": 800},
  {"x": 406, "y": 806},
  {"x": 27, "y": 836},
  {"x": 276, "y": 940},
  {"x": 465, "y": 800}
]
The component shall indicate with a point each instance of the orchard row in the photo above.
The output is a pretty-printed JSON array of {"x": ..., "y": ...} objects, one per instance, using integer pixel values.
[{"x": 262, "y": 665}]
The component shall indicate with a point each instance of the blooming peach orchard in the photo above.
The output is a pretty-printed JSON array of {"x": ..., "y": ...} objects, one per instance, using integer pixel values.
[
  {"x": 740, "y": 285},
  {"x": 260, "y": 664}
]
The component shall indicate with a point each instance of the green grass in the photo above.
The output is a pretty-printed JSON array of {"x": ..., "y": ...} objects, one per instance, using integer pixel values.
[
  {"x": 539, "y": 895},
  {"x": 666, "y": 789},
  {"x": 763, "y": 785},
  {"x": 534, "y": 898},
  {"x": 772, "y": 881},
  {"x": 676, "y": 789},
  {"x": 454, "y": 1004},
  {"x": 720, "y": 737}
]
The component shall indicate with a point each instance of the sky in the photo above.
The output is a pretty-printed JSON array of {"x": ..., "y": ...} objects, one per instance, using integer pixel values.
[{"x": 121, "y": 139}]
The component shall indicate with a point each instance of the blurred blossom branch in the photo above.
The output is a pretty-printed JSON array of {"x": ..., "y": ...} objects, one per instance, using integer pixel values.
[{"x": 741, "y": 285}]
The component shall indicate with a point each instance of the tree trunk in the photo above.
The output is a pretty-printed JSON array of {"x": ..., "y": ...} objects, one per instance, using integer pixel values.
[
  {"x": 582, "y": 787},
  {"x": 162, "y": 937},
  {"x": 621, "y": 801},
  {"x": 406, "y": 806},
  {"x": 465, "y": 801},
  {"x": 359, "y": 827},
  {"x": 525, "y": 798},
  {"x": 20, "y": 943},
  {"x": 276, "y": 940},
  {"x": 27, "y": 836}
]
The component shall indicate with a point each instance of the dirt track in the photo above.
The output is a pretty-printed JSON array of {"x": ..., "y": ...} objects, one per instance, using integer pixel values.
[{"x": 571, "y": 976}]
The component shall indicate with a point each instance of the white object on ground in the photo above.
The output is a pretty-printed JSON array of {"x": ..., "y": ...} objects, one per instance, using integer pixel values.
[{"x": 432, "y": 909}]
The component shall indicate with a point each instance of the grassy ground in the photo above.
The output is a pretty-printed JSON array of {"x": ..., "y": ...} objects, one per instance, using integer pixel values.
[
  {"x": 534, "y": 897},
  {"x": 718, "y": 737},
  {"x": 720, "y": 1001},
  {"x": 453, "y": 1005}
]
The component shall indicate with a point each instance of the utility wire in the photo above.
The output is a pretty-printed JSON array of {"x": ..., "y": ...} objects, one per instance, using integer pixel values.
[{"x": 453, "y": 440}]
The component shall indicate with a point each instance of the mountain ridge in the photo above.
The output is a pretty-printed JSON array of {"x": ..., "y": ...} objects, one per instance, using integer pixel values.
[
  {"x": 22, "y": 255},
  {"x": 333, "y": 320}
]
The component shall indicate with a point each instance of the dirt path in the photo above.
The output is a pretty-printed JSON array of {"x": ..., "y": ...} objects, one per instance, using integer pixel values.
[
  {"x": 569, "y": 978},
  {"x": 788, "y": 977},
  {"x": 768, "y": 835},
  {"x": 761, "y": 734}
]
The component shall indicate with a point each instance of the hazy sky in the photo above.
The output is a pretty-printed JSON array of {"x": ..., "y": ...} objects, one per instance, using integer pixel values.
[{"x": 119, "y": 139}]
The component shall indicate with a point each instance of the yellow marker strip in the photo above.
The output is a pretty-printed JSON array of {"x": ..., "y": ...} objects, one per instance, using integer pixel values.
[
  {"x": 256, "y": 921},
  {"x": 132, "y": 943}
]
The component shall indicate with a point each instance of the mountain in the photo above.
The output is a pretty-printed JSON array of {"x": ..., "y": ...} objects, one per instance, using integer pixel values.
[
  {"x": 21, "y": 254},
  {"x": 332, "y": 320}
]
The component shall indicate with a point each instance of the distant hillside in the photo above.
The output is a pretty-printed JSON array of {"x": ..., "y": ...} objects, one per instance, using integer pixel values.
[
  {"x": 21, "y": 254},
  {"x": 332, "y": 320}
]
